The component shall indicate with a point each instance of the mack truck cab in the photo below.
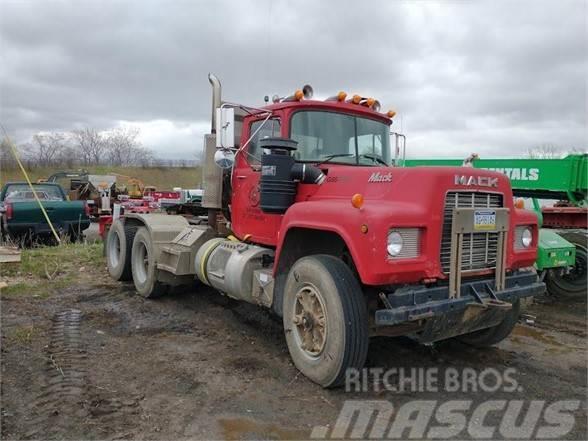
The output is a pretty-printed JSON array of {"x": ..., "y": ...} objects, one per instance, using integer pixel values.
[{"x": 309, "y": 216}]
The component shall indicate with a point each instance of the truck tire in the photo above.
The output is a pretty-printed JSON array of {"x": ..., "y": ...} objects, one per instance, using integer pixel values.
[
  {"x": 143, "y": 266},
  {"x": 495, "y": 334},
  {"x": 573, "y": 284},
  {"x": 117, "y": 247},
  {"x": 325, "y": 319}
]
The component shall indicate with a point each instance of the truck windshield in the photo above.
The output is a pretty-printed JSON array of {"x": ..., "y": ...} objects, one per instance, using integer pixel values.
[
  {"x": 337, "y": 137},
  {"x": 22, "y": 192}
]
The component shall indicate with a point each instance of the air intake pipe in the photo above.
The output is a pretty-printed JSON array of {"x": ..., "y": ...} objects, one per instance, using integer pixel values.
[
  {"x": 307, "y": 174},
  {"x": 280, "y": 175}
]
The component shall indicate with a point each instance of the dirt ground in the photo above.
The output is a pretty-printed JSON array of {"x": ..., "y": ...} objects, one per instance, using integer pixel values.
[{"x": 96, "y": 361}]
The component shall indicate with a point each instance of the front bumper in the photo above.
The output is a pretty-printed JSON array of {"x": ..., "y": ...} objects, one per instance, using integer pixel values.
[{"x": 479, "y": 306}]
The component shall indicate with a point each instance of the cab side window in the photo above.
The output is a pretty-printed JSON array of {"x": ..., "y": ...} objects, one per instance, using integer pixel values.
[{"x": 271, "y": 128}]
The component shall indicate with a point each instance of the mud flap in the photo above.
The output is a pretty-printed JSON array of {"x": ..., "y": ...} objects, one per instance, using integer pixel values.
[{"x": 474, "y": 317}]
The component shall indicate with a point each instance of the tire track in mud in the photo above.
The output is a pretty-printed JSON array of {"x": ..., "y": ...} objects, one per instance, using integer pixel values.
[
  {"x": 68, "y": 405},
  {"x": 61, "y": 401}
]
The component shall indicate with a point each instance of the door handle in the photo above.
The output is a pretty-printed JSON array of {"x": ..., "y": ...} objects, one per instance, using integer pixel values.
[{"x": 241, "y": 177}]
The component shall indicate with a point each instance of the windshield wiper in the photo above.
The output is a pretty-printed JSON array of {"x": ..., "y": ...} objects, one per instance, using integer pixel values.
[
  {"x": 337, "y": 155},
  {"x": 374, "y": 158}
]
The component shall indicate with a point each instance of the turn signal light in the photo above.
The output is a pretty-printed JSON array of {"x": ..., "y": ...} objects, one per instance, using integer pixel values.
[
  {"x": 519, "y": 203},
  {"x": 357, "y": 200}
]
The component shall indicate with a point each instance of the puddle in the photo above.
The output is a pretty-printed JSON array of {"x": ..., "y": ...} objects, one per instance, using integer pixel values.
[
  {"x": 554, "y": 345},
  {"x": 246, "y": 429}
]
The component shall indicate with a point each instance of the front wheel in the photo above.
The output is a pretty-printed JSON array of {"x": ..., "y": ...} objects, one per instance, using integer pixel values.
[
  {"x": 495, "y": 334},
  {"x": 143, "y": 266},
  {"x": 325, "y": 319}
]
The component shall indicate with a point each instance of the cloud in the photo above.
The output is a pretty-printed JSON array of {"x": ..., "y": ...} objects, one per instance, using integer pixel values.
[{"x": 496, "y": 76}]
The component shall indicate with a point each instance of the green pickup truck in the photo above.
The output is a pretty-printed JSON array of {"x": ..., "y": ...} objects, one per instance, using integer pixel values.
[{"x": 22, "y": 218}]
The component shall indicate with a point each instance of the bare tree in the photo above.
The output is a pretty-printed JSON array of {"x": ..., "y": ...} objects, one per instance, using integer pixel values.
[
  {"x": 7, "y": 160},
  {"x": 69, "y": 156},
  {"x": 91, "y": 146},
  {"x": 121, "y": 145},
  {"x": 544, "y": 151},
  {"x": 551, "y": 151},
  {"x": 45, "y": 149}
]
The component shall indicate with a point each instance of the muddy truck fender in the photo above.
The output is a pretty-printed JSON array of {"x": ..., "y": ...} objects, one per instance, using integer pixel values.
[{"x": 163, "y": 228}]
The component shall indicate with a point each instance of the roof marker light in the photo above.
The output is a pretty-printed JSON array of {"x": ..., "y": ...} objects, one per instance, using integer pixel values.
[
  {"x": 355, "y": 99},
  {"x": 339, "y": 97}
]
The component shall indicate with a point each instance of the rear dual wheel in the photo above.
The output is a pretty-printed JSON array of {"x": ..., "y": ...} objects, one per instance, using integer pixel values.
[
  {"x": 143, "y": 266},
  {"x": 325, "y": 319},
  {"x": 118, "y": 246}
]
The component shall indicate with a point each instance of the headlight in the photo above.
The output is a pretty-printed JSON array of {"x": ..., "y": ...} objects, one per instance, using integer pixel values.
[
  {"x": 523, "y": 237},
  {"x": 527, "y": 238},
  {"x": 394, "y": 243}
]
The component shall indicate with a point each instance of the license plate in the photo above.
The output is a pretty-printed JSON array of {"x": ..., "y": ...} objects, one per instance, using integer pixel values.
[{"x": 484, "y": 220}]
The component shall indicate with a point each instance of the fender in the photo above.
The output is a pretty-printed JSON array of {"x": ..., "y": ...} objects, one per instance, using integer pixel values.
[
  {"x": 162, "y": 227},
  {"x": 321, "y": 215}
]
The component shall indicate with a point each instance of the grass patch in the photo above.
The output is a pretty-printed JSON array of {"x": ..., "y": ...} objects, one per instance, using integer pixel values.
[
  {"x": 23, "y": 335},
  {"x": 46, "y": 269}
]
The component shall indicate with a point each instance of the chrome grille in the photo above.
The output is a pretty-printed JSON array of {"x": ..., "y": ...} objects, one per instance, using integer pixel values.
[{"x": 479, "y": 249}]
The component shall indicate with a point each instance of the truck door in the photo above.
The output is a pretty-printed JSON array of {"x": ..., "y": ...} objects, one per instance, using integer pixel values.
[{"x": 246, "y": 215}]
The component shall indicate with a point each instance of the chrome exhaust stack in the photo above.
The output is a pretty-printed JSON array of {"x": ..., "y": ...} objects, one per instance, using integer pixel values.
[
  {"x": 216, "y": 99},
  {"x": 211, "y": 174}
]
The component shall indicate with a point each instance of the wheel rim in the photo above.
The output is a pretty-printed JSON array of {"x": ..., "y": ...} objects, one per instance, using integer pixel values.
[
  {"x": 310, "y": 321},
  {"x": 114, "y": 250},
  {"x": 141, "y": 263}
]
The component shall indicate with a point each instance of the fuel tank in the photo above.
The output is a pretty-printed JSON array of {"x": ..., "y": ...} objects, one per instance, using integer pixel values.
[{"x": 231, "y": 266}]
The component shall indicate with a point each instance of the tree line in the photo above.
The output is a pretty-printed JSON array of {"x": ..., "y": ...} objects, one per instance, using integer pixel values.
[{"x": 87, "y": 147}]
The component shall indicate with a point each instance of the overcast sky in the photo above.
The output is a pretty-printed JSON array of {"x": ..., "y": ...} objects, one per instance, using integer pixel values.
[{"x": 494, "y": 77}]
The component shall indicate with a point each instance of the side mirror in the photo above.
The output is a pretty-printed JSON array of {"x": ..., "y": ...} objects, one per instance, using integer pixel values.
[
  {"x": 224, "y": 158},
  {"x": 225, "y": 127}
]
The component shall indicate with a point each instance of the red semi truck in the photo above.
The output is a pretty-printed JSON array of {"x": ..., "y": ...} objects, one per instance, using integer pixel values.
[{"x": 309, "y": 217}]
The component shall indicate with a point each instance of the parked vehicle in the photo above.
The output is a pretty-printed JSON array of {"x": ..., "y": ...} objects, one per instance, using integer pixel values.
[
  {"x": 97, "y": 190},
  {"x": 324, "y": 231},
  {"x": 22, "y": 218}
]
